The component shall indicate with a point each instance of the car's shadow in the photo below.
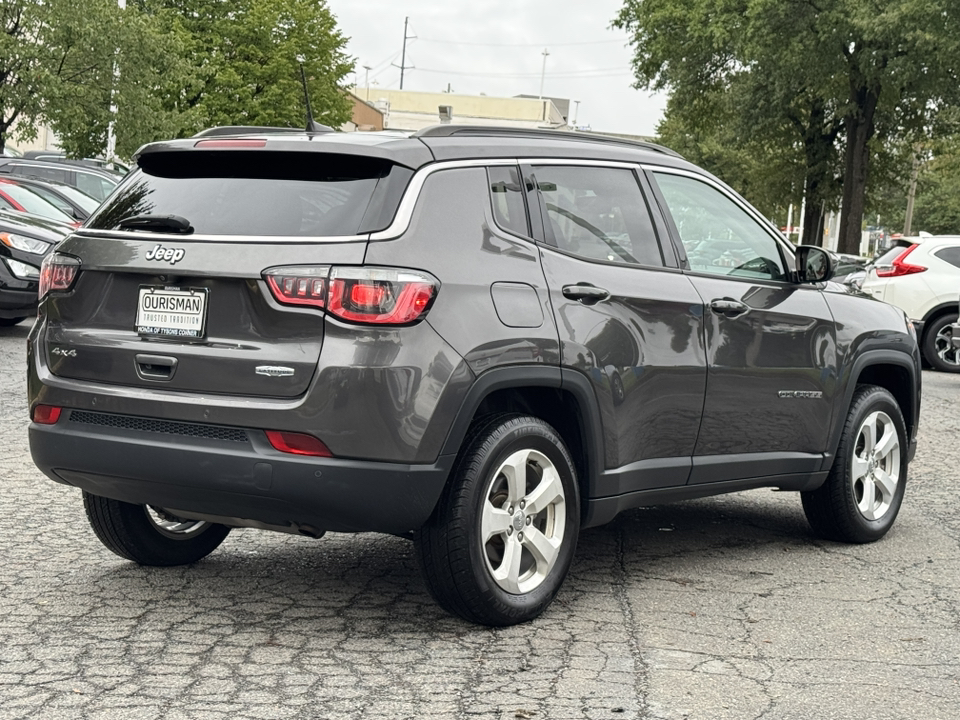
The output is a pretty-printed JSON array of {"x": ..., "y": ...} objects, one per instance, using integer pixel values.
[{"x": 370, "y": 585}]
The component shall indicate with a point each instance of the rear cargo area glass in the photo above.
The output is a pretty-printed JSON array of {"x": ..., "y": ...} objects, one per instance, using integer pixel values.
[{"x": 249, "y": 193}]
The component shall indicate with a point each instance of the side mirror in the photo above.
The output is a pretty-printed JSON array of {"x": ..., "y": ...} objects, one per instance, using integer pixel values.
[{"x": 814, "y": 264}]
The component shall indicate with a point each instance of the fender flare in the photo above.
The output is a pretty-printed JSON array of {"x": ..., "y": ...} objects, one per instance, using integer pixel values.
[
  {"x": 867, "y": 359},
  {"x": 572, "y": 381},
  {"x": 949, "y": 307}
]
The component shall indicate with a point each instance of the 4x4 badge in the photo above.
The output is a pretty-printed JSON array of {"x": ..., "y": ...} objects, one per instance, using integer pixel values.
[{"x": 171, "y": 255}]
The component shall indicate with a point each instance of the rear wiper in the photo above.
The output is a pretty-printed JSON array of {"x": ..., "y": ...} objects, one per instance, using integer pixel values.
[{"x": 157, "y": 223}]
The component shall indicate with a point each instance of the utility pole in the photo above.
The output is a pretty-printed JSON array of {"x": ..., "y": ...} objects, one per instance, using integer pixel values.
[
  {"x": 403, "y": 57},
  {"x": 911, "y": 194},
  {"x": 543, "y": 71},
  {"x": 576, "y": 112},
  {"x": 111, "y": 130},
  {"x": 366, "y": 82}
]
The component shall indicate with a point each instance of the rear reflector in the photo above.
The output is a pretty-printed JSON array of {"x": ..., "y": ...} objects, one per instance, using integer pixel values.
[
  {"x": 230, "y": 143},
  {"x": 367, "y": 295},
  {"x": 46, "y": 414},
  {"x": 297, "y": 443}
]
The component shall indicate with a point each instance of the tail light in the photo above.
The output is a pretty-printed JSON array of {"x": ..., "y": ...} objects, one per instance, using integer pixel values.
[
  {"x": 297, "y": 443},
  {"x": 899, "y": 267},
  {"x": 369, "y": 295},
  {"x": 57, "y": 273},
  {"x": 46, "y": 414}
]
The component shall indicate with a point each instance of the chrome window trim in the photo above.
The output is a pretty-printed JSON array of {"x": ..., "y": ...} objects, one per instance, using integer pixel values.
[
  {"x": 401, "y": 221},
  {"x": 175, "y": 238},
  {"x": 770, "y": 229}
]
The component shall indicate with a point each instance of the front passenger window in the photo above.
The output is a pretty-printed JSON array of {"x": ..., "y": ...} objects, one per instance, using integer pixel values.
[{"x": 720, "y": 237}]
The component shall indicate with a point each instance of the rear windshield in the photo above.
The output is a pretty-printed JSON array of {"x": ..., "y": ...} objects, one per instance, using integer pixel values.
[{"x": 249, "y": 193}]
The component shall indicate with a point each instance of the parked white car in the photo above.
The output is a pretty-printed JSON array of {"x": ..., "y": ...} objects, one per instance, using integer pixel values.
[{"x": 923, "y": 279}]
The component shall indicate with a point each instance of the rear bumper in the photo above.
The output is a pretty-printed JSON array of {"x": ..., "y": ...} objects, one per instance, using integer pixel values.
[
  {"x": 237, "y": 481},
  {"x": 17, "y": 303}
]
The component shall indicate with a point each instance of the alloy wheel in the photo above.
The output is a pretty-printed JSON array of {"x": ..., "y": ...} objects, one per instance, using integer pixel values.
[
  {"x": 943, "y": 345},
  {"x": 522, "y": 521},
  {"x": 875, "y": 466}
]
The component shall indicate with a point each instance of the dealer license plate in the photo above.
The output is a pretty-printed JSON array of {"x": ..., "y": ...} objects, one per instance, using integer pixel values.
[{"x": 172, "y": 312}]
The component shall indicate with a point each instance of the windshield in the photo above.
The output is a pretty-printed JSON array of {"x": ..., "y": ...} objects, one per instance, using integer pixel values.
[
  {"x": 33, "y": 203},
  {"x": 78, "y": 197}
]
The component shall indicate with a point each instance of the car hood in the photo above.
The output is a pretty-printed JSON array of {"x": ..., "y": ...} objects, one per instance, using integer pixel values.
[{"x": 34, "y": 226}]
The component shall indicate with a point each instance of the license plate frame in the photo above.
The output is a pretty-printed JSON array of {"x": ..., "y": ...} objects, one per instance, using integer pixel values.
[{"x": 185, "y": 320}]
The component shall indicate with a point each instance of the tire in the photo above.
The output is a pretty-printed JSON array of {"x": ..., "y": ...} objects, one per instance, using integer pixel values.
[
  {"x": 149, "y": 536},
  {"x": 863, "y": 493},
  {"x": 10, "y": 322},
  {"x": 937, "y": 349},
  {"x": 514, "y": 575},
  {"x": 616, "y": 388}
]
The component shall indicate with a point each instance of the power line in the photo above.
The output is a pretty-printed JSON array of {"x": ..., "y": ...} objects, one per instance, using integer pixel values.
[
  {"x": 540, "y": 44},
  {"x": 592, "y": 72}
]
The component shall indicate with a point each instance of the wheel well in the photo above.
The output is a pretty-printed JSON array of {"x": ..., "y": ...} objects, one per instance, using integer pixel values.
[
  {"x": 896, "y": 379},
  {"x": 557, "y": 407},
  {"x": 937, "y": 312}
]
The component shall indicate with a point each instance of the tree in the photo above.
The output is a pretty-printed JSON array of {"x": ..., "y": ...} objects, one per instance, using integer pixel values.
[
  {"x": 59, "y": 61},
  {"x": 839, "y": 72},
  {"x": 246, "y": 54},
  {"x": 171, "y": 67}
]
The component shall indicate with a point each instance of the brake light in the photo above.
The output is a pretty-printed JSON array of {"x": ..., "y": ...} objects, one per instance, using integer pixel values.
[
  {"x": 46, "y": 414},
  {"x": 230, "y": 143},
  {"x": 899, "y": 267},
  {"x": 297, "y": 443},
  {"x": 369, "y": 295},
  {"x": 57, "y": 273}
]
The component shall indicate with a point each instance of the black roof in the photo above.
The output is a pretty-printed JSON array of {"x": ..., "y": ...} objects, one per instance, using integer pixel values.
[{"x": 6, "y": 163}]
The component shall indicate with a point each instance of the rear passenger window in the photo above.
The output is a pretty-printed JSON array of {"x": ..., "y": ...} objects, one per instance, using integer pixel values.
[
  {"x": 93, "y": 185},
  {"x": 950, "y": 255},
  {"x": 41, "y": 172},
  {"x": 506, "y": 194},
  {"x": 598, "y": 214}
]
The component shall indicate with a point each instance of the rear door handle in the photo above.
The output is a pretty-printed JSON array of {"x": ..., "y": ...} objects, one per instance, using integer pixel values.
[
  {"x": 728, "y": 307},
  {"x": 585, "y": 293}
]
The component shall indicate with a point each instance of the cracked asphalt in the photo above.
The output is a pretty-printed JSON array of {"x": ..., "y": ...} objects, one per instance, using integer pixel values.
[{"x": 721, "y": 608}]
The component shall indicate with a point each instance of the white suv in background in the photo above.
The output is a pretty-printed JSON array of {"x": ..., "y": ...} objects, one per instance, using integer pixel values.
[{"x": 924, "y": 281}]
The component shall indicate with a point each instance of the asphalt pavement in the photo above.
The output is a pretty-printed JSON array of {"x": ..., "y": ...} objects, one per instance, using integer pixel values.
[{"x": 719, "y": 608}]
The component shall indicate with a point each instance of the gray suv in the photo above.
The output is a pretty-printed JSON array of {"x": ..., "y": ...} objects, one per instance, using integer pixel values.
[{"x": 482, "y": 339}]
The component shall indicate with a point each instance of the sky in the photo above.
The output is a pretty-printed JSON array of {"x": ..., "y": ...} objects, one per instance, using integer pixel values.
[{"x": 495, "y": 47}]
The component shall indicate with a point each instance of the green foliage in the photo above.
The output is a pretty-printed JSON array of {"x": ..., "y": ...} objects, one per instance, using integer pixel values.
[
  {"x": 170, "y": 67},
  {"x": 245, "y": 54},
  {"x": 829, "y": 79}
]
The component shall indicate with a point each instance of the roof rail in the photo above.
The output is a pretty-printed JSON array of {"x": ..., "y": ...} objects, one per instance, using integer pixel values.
[
  {"x": 252, "y": 130},
  {"x": 449, "y": 130}
]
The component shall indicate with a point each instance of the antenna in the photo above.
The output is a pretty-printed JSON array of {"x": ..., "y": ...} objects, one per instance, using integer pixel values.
[{"x": 312, "y": 125}]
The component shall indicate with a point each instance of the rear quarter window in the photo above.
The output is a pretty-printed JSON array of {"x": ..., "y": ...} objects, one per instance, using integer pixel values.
[
  {"x": 249, "y": 193},
  {"x": 950, "y": 255}
]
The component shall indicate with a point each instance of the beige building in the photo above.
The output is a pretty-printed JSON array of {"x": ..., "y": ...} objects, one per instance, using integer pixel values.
[{"x": 408, "y": 110}]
